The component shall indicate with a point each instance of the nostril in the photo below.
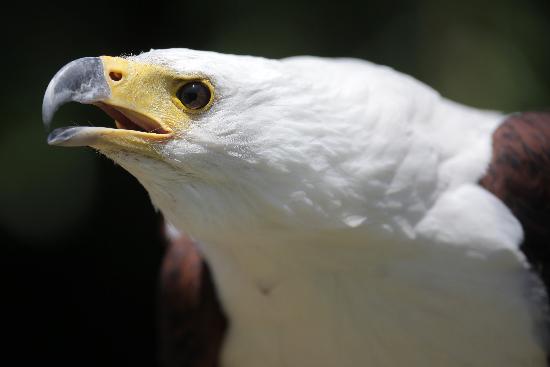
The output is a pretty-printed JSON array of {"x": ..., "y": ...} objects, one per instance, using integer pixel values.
[{"x": 115, "y": 76}]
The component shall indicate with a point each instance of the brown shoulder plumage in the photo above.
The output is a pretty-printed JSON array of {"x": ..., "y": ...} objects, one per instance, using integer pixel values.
[
  {"x": 192, "y": 323},
  {"x": 519, "y": 174}
]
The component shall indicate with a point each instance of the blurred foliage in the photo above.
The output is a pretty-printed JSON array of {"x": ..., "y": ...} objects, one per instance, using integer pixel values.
[{"x": 490, "y": 54}]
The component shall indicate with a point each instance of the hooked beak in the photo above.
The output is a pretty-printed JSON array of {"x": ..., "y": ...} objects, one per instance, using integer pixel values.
[
  {"x": 120, "y": 88},
  {"x": 81, "y": 80}
]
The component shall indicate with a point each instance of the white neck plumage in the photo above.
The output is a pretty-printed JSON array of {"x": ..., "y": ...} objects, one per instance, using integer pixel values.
[{"x": 333, "y": 273}]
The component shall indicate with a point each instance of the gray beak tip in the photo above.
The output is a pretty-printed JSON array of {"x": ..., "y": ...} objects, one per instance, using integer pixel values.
[
  {"x": 81, "y": 80},
  {"x": 74, "y": 136},
  {"x": 58, "y": 136},
  {"x": 48, "y": 106}
]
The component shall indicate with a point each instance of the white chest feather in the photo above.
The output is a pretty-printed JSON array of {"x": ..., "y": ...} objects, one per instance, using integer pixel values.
[
  {"x": 459, "y": 294},
  {"x": 342, "y": 301}
]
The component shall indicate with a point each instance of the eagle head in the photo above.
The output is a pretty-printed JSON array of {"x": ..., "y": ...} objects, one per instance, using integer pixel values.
[{"x": 239, "y": 140}]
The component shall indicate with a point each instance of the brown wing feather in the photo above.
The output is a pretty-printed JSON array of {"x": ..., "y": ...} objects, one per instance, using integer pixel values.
[
  {"x": 519, "y": 174},
  {"x": 192, "y": 323}
]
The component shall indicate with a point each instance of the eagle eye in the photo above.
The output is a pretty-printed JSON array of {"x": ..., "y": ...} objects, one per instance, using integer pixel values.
[{"x": 194, "y": 95}]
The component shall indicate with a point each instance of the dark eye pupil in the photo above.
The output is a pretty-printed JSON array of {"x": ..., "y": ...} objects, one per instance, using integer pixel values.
[{"x": 194, "y": 95}]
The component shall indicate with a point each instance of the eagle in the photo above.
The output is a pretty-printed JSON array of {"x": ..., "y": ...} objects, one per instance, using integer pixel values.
[{"x": 327, "y": 212}]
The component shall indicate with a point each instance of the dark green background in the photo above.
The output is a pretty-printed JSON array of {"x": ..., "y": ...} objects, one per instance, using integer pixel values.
[{"x": 80, "y": 245}]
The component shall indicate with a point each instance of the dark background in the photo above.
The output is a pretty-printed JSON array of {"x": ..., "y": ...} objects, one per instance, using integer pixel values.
[{"x": 80, "y": 243}]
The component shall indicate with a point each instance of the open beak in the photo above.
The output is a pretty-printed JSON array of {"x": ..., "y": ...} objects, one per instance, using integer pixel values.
[{"x": 123, "y": 90}]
